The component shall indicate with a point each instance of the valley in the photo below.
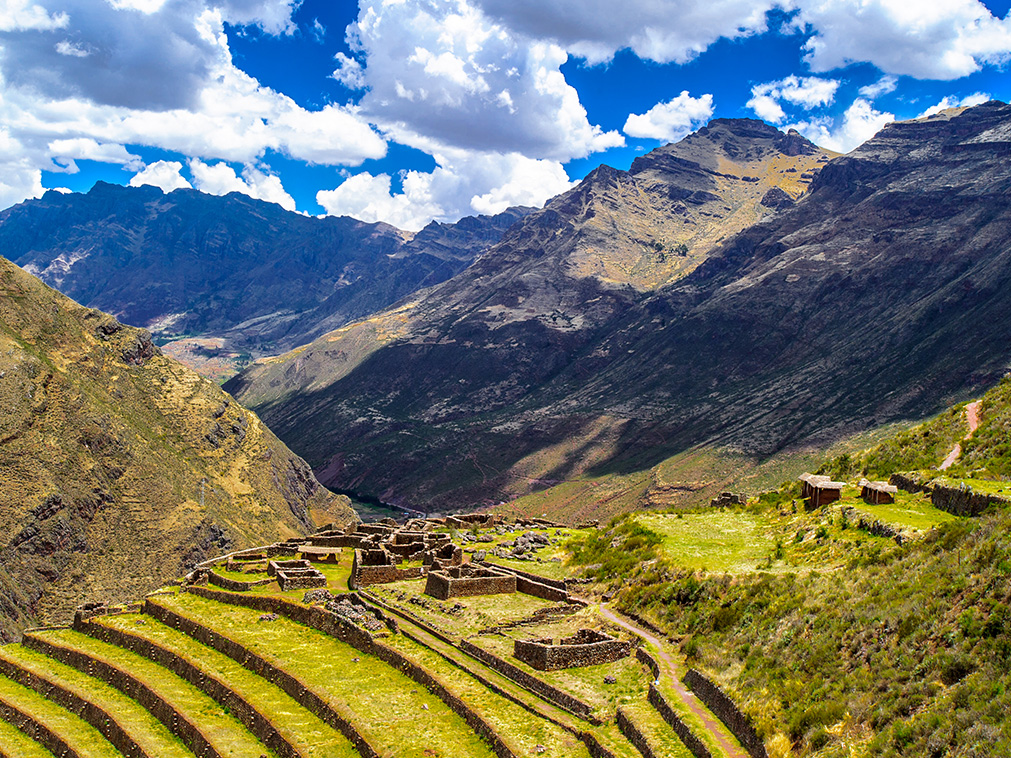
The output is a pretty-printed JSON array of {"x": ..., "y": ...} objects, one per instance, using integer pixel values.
[{"x": 704, "y": 458}]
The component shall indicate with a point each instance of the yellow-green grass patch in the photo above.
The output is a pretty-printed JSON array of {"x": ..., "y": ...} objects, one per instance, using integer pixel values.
[
  {"x": 149, "y": 733},
  {"x": 395, "y": 714},
  {"x": 521, "y": 730},
  {"x": 83, "y": 738},
  {"x": 717, "y": 541},
  {"x": 17, "y": 744},
  {"x": 224, "y": 732},
  {"x": 309, "y": 735}
]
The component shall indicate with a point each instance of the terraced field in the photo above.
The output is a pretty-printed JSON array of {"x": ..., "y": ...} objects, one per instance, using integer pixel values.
[{"x": 196, "y": 670}]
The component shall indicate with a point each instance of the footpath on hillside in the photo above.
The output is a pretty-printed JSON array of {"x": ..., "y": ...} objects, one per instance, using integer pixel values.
[
  {"x": 730, "y": 747},
  {"x": 972, "y": 415}
]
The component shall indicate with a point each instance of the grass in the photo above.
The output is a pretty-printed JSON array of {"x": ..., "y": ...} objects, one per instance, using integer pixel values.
[
  {"x": 463, "y": 616},
  {"x": 585, "y": 682},
  {"x": 310, "y": 736},
  {"x": 525, "y": 733},
  {"x": 909, "y": 511},
  {"x": 229, "y": 737},
  {"x": 78, "y": 734},
  {"x": 720, "y": 541},
  {"x": 394, "y": 713},
  {"x": 657, "y": 732},
  {"x": 17, "y": 743},
  {"x": 150, "y": 734}
]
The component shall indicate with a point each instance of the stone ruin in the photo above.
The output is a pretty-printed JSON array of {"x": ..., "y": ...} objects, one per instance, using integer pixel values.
[
  {"x": 295, "y": 575},
  {"x": 586, "y": 648},
  {"x": 468, "y": 581},
  {"x": 728, "y": 499},
  {"x": 378, "y": 566}
]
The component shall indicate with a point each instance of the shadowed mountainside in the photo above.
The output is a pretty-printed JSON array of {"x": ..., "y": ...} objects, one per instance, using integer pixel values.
[
  {"x": 437, "y": 381},
  {"x": 120, "y": 468},
  {"x": 240, "y": 275}
]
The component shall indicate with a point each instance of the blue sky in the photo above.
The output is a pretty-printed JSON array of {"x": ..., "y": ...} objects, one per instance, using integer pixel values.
[{"x": 409, "y": 110}]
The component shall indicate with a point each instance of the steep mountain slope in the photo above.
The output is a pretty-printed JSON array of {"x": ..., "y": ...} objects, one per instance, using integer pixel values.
[
  {"x": 120, "y": 468},
  {"x": 411, "y": 379},
  {"x": 254, "y": 277}
]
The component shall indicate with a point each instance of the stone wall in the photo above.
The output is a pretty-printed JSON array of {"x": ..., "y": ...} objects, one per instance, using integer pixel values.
[
  {"x": 958, "y": 501},
  {"x": 36, "y": 730},
  {"x": 587, "y": 648},
  {"x": 541, "y": 689},
  {"x": 293, "y": 686},
  {"x": 300, "y": 579},
  {"x": 234, "y": 585},
  {"x": 726, "y": 711},
  {"x": 257, "y": 723},
  {"x": 557, "y": 584},
  {"x": 83, "y": 709},
  {"x": 366, "y": 574},
  {"x": 187, "y": 732},
  {"x": 366, "y": 644},
  {"x": 693, "y": 743},
  {"x": 628, "y": 728},
  {"x": 648, "y": 661},
  {"x": 443, "y": 586}
]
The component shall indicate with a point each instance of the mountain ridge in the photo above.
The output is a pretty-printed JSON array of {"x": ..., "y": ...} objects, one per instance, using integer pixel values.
[{"x": 120, "y": 468}]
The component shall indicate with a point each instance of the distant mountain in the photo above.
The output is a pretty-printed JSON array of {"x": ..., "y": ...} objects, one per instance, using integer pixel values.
[
  {"x": 120, "y": 468},
  {"x": 437, "y": 399},
  {"x": 241, "y": 275}
]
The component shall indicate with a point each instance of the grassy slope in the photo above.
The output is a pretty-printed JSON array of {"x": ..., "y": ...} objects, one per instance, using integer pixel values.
[
  {"x": 841, "y": 641},
  {"x": 119, "y": 468}
]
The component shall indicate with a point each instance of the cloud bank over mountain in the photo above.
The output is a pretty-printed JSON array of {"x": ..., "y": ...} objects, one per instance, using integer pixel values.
[{"x": 485, "y": 90}]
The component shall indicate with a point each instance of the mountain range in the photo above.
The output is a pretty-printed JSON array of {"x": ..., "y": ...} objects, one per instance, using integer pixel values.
[
  {"x": 219, "y": 280},
  {"x": 624, "y": 323}
]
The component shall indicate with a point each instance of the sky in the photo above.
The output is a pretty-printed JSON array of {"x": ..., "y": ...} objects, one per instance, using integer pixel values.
[{"x": 406, "y": 111}]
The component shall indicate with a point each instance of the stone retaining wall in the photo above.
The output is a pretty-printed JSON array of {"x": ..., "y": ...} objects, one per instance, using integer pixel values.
[
  {"x": 261, "y": 667},
  {"x": 727, "y": 712},
  {"x": 633, "y": 735},
  {"x": 36, "y": 730},
  {"x": 648, "y": 661},
  {"x": 362, "y": 641},
  {"x": 593, "y": 746},
  {"x": 958, "y": 501},
  {"x": 542, "y": 689},
  {"x": 252, "y": 719},
  {"x": 233, "y": 585},
  {"x": 692, "y": 742},
  {"x": 188, "y": 733},
  {"x": 872, "y": 525},
  {"x": 83, "y": 709}
]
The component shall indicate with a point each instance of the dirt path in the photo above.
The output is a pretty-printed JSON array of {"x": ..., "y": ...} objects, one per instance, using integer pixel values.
[
  {"x": 972, "y": 415},
  {"x": 730, "y": 747}
]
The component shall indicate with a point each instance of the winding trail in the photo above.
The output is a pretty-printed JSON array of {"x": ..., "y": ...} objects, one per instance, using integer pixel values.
[
  {"x": 728, "y": 744},
  {"x": 972, "y": 415}
]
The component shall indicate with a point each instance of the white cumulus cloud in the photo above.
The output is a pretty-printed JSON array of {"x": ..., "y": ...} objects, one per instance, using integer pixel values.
[
  {"x": 466, "y": 183},
  {"x": 672, "y": 120},
  {"x": 858, "y": 124},
  {"x": 656, "y": 30},
  {"x": 977, "y": 98},
  {"x": 163, "y": 174},
  {"x": 446, "y": 76},
  {"x": 928, "y": 39},
  {"x": 805, "y": 92},
  {"x": 220, "y": 179}
]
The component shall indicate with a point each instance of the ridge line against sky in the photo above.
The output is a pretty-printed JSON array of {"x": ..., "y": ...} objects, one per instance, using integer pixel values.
[{"x": 406, "y": 111}]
